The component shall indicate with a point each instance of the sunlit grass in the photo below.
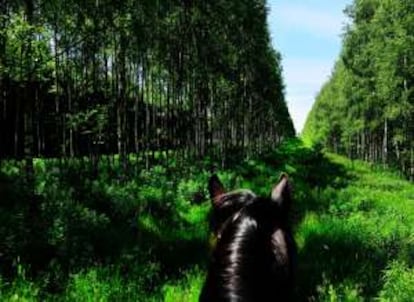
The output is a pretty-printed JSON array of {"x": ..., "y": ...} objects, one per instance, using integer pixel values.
[
  {"x": 355, "y": 238},
  {"x": 186, "y": 289}
]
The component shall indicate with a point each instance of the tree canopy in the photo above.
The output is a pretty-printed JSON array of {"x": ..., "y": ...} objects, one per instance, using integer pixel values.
[
  {"x": 102, "y": 77},
  {"x": 366, "y": 109}
]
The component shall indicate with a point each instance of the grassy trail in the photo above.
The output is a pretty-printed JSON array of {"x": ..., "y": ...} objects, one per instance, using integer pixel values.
[{"x": 354, "y": 225}]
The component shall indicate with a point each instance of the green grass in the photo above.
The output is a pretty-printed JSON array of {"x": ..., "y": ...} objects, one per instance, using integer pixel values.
[
  {"x": 348, "y": 247},
  {"x": 146, "y": 238},
  {"x": 354, "y": 228},
  {"x": 186, "y": 289}
]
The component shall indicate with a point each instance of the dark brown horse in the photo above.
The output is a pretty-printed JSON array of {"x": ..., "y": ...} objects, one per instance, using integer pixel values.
[{"x": 253, "y": 258}]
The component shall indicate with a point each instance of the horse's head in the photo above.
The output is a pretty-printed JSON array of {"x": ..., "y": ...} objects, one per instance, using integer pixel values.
[
  {"x": 267, "y": 211},
  {"x": 253, "y": 247}
]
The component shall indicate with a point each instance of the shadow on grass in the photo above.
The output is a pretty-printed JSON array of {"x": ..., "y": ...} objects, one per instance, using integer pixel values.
[
  {"x": 345, "y": 256},
  {"x": 174, "y": 252},
  {"x": 340, "y": 256},
  {"x": 177, "y": 246},
  {"x": 310, "y": 171}
]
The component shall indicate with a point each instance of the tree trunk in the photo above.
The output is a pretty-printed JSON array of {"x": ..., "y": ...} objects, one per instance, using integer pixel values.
[
  {"x": 411, "y": 162},
  {"x": 136, "y": 112},
  {"x": 28, "y": 93},
  {"x": 147, "y": 112},
  {"x": 385, "y": 144},
  {"x": 122, "y": 102}
]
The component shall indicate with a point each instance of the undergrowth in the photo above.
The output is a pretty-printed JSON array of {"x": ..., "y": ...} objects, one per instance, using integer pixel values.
[{"x": 145, "y": 237}]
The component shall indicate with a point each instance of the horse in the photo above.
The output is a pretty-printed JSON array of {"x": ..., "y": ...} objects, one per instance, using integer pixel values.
[{"x": 254, "y": 254}]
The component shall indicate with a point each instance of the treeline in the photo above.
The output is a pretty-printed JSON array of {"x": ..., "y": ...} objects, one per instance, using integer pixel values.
[
  {"x": 366, "y": 109},
  {"x": 135, "y": 76}
]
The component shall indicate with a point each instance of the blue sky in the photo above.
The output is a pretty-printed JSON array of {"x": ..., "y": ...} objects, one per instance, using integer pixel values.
[{"x": 308, "y": 35}]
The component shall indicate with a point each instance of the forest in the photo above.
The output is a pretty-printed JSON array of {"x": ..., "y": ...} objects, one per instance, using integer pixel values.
[
  {"x": 87, "y": 78},
  {"x": 366, "y": 109},
  {"x": 114, "y": 115}
]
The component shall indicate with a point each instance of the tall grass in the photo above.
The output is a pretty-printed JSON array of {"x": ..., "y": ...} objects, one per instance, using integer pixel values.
[{"x": 145, "y": 237}]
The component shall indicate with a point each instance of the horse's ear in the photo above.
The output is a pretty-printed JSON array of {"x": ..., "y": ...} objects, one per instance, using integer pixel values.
[
  {"x": 281, "y": 192},
  {"x": 216, "y": 189}
]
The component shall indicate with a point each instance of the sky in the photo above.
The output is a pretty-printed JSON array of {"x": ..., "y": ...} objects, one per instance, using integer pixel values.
[{"x": 308, "y": 35}]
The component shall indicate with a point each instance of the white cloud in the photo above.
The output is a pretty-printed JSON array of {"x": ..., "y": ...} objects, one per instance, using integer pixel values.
[
  {"x": 318, "y": 22},
  {"x": 308, "y": 35},
  {"x": 299, "y": 109},
  {"x": 304, "y": 73},
  {"x": 304, "y": 77}
]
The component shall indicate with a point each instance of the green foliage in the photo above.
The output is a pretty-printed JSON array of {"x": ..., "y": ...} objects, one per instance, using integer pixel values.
[
  {"x": 143, "y": 69},
  {"x": 20, "y": 289},
  {"x": 366, "y": 108},
  {"x": 343, "y": 292},
  {"x": 19, "y": 64},
  {"x": 398, "y": 283}
]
